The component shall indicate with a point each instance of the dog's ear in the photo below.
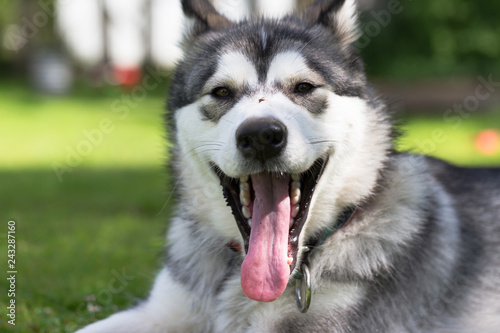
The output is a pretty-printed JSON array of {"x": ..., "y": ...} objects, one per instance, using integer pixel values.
[
  {"x": 205, "y": 15},
  {"x": 338, "y": 15}
]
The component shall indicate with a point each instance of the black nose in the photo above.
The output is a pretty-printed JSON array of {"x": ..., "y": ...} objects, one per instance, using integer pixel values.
[{"x": 261, "y": 138}]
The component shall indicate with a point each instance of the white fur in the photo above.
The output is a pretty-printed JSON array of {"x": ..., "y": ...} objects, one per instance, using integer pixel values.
[
  {"x": 346, "y": 22},
  {"x": 234, "y": 70},
  {"x": 236, "y": 313},
  {"x": 399, "y": 215},
  {"x": 288, "y": 66}
]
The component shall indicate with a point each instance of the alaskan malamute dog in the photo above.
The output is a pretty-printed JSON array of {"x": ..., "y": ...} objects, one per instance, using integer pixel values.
[{"x": 294, "y": 213}]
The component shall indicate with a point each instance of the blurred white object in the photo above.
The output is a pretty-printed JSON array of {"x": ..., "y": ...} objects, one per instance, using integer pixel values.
[
  {"x": 235, "y": 10},
  {"x": 51, "y": 72},
  {"x": 126, "y": 26},
  {"x": 79, "y": 22},
  {"x": 167, "y": 22},
  {"x": 275, "y": 8}
]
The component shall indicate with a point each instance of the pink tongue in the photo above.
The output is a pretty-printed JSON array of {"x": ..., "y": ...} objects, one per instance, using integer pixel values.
[{"x": 265, "y": 271}]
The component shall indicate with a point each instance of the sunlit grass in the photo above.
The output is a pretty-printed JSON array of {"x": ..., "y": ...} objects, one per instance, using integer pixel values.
[
  {"x": 99, "y": 131},
  {"x": 451, "y": 141}
]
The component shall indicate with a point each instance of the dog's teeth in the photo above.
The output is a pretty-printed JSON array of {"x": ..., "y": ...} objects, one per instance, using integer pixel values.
[
  {"x": 246, "y": 212},
  {"x": 289, "y": 261},
  {"x": 244, "y": 187},
  {"x": 295, "y": 210},
  {"x": 245, "y": 194},
  {"x": 295, "y": 184},
  {"x": 245, "y": 201},
  {"x": 295, "y": 196},
  {"x": 249, "y": 222},
  {"x": 245, "y": 198},
  {"x": 296, "y": 177},
  {"x": 244, "y": 179}
]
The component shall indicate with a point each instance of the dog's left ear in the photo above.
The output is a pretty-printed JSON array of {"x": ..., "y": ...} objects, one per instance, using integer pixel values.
[
  {"x": 205, "y": 15},
  {"x": 338, "y": 15}
]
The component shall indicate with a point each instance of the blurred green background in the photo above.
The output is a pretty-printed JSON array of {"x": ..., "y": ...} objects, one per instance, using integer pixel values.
[
  {"x": 430, "y": 39},
  {"x": 82, "y": 169}
]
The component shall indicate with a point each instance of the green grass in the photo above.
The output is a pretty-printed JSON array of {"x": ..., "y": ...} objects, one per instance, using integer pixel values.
[
  {"x": 102, "y": 216},
  {"x": 72, "y": 238},
  {"x": 81, "y": 221},
  {"x": 431, "y": 134},
  {"x": 42, "y": 130}
]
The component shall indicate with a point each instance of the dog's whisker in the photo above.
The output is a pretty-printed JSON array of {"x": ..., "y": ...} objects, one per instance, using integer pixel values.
[
  {"x": 227, "y": 120},
  {"x": 194, "y": 151},
  {"x": 293, "y": 115},
  {"x": 321, "y": 141},
  {"x": 178, "y": 181},
  {"x": 170, "y": 194},
  {"x": 207, "y": 150},
  {"x": 210, "y": 143}
]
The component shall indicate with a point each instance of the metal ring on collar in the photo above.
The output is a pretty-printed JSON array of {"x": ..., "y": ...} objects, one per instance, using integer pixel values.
[{"x": 303, "y": 289}]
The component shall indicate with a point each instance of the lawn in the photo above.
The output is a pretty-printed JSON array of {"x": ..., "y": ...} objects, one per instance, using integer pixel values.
[
  {"x": 83, "y": 177},
  {"x": 88, "y": 190},
  {"x": 456, "y": 141}
]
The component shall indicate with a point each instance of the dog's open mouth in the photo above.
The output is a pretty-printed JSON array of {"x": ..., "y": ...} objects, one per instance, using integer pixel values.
[{"x": 270, "y": 210}]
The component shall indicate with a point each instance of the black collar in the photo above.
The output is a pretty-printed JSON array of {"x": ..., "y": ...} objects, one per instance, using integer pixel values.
[{"x": 342, "y": 220}]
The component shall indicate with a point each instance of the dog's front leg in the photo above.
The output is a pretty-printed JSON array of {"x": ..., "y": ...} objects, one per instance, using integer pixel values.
[{"x": 169, "y": 308}]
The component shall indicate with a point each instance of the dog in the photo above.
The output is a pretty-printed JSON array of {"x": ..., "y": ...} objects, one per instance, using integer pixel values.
[{"x": 294, "y": 211}]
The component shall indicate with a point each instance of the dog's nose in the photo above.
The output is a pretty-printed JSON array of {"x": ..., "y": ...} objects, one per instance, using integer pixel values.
[{"x": 261, "y": 138}]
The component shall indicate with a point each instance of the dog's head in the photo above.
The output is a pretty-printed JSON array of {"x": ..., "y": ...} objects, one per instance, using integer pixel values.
[{"x": 279, "y": 113}]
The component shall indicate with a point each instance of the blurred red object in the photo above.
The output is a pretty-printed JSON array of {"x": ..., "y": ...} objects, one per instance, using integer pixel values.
[
  {"x": 487, "y": 141},
  {"x": 128, "y": 77}
]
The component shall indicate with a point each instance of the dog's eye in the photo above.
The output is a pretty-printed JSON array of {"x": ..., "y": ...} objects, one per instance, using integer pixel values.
[
  {"x": 222, "y": 92},
  {"x": 303, "y": 87}
]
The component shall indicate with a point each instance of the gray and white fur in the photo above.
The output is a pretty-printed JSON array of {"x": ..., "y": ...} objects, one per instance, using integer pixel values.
[{"x": 421, "y": 252}]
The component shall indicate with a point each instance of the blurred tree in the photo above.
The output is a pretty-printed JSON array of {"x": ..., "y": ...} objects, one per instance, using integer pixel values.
[
  {"x": 25, "y": 24},
  {"x": 428, "y": 38},
  {"x": 8, "y": 12}
]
